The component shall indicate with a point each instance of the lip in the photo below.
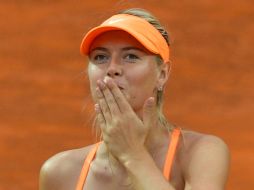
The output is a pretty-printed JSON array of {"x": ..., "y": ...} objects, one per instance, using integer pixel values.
[{"x": 119, "y": 84}]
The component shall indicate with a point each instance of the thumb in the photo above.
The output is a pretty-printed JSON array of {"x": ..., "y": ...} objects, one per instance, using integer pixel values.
[{"x": 149, "y": 112}]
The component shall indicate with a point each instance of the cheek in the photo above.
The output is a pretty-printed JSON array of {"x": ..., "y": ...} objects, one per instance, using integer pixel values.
[
  {"x": 143, "y": 79},
  {"x": 94, "y": 73},
  {"x": 142, "y": 82}
]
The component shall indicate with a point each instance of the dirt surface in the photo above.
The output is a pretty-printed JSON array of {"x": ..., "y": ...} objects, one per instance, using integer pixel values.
[{"x": 45, "y": 106}]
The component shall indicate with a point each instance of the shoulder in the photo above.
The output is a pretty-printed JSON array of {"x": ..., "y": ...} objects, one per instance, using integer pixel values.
[
  {"x": 194, "y": 141},
  {"x": 205, "y": 160},
  {"x": 62, "y": 170}
]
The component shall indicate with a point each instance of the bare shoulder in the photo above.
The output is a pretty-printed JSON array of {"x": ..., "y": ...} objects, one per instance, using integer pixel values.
[
  {"x": 62, "y": 170},
  {"x": 194, "y": 140},
  {"x": 205, "y": 160}
]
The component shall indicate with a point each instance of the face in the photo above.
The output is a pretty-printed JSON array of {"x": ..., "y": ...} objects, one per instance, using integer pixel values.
[{"x": 118, "y": 55}]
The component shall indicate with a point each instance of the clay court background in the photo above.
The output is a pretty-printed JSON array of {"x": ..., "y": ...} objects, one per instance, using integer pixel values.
[{"x": 45, "y": 106}]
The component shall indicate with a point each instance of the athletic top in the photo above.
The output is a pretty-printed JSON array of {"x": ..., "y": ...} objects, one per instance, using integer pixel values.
[{"x": 167, "y": 165}]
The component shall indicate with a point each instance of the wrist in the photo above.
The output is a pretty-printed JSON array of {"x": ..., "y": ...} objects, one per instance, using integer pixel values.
[{"x": 131, "y": 162}]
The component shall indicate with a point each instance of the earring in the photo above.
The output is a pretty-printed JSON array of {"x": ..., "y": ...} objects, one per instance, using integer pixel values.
[{"x": 160, "y": 88}]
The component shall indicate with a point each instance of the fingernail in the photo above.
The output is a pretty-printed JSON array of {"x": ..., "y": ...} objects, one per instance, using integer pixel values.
[
  {"x": 109, "y": 82},
  {"x": 105, "y": 79},
  {"x": 150, "y": 101},
  {"x": 101, "y": 84},
  {"x": 97, "y": 108}
]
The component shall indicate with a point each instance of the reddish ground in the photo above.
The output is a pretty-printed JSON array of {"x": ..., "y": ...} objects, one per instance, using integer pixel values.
[{"x": 45, "y": 105}]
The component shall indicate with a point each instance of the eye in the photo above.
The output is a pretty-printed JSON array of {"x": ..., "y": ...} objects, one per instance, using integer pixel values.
[
  {"x": 100, "y": 58},
  {"x": 131, "y": 57}
]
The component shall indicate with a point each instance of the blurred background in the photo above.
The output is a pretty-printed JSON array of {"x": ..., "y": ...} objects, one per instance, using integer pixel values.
[{"x": 45, "y": 105}]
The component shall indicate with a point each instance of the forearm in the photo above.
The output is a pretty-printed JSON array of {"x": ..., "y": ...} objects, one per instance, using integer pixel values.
[{"x": 145, "y": 174}]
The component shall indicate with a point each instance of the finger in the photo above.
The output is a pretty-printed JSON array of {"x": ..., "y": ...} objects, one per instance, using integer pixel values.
[
  {"x": 103, "y": 106},
  {"x": 110, "y": 100},
  {"x": 100, "y": 118},
  {"x": 149, "y": 112},
  {"x": 120, "y": 99}
]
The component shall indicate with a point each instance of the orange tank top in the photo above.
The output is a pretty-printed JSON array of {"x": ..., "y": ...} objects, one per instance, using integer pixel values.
[{"x": 167, "y": 165}]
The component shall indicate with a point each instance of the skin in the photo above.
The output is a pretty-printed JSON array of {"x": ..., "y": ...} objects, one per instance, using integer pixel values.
[{"x": 123, "y": 78}]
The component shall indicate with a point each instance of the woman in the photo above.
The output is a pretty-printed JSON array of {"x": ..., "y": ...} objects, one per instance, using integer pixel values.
[{"x": 129, "y": 64}]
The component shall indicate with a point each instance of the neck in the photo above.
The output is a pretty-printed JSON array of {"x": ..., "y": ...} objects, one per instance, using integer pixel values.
[{"x": 156, "y": 137}]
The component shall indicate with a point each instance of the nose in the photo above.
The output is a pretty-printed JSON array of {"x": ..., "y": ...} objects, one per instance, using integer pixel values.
[{"x": 114, "y": 69}]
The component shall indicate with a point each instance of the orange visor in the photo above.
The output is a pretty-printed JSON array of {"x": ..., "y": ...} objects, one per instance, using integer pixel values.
[{"x": 137, "y": 27}]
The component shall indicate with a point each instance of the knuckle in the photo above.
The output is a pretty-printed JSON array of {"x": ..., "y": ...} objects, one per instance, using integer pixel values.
[
  {"x": 118, "y": 98},
  {"x": 104, "y": 108},
  {"x": 110, "y": 100},
  {"x": 101, "y": 122},
  {"x": 112, "y": 131},
  {"x": 105, "y": 139},
  {"x": 115, "y": 122},
  {"x": 99, "y": 118}
]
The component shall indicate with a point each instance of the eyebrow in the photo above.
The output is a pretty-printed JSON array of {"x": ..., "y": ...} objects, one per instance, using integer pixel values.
[
  {"x": 132, "y": 48},
  {"x": 99, "y": 48},
  {"x": 123, "y": 49}
]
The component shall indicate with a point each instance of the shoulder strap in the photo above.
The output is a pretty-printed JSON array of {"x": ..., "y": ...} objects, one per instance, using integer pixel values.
[
  {"x": 86, "y": 165},
  {"x": 171, "y": 153}
]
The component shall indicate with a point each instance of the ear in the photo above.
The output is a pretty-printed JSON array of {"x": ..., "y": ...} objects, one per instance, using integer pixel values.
[{"x": 163, "y": 74}]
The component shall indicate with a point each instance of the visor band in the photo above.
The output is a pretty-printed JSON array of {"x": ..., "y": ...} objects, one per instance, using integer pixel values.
[{"x": 139, "y": 28}]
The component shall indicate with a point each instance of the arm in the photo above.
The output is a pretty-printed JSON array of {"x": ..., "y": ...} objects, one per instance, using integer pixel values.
[
  {"x": 145, "y": 174},
  {"x": 61, "y": 171},
  {"x": 208, "y": 166},
  {"x": 49, "y": 178}
]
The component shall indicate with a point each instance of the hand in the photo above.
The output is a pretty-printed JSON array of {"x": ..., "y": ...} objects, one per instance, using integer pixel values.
[{"x": 124, "y": 133}]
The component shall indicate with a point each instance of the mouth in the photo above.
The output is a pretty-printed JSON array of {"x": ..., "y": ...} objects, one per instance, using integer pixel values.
[{"x": 117, "y": 83}]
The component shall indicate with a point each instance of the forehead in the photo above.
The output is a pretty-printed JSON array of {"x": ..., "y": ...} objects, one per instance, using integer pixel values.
[{"x": 117, "y": 38}]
